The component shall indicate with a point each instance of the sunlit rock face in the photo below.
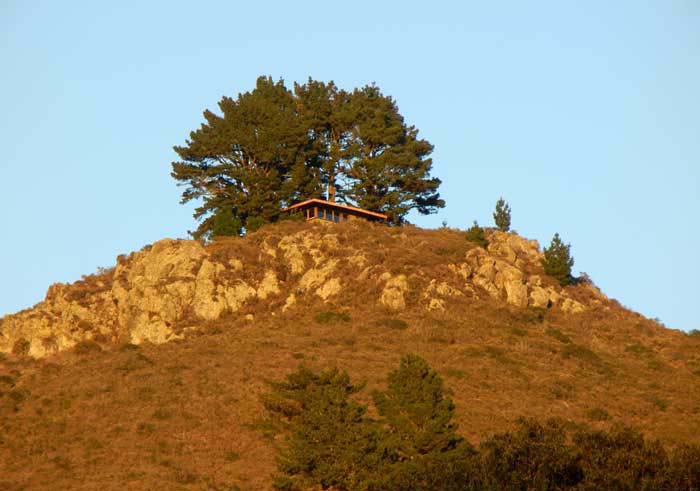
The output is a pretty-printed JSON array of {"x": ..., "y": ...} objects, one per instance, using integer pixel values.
[{"x": 167, "y": 289}]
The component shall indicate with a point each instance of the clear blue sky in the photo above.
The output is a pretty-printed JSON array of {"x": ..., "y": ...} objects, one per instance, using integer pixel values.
[{"x": 584, "y": 115}]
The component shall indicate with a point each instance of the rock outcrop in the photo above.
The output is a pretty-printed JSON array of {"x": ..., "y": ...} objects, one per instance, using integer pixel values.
[{"x": 160, "y": 293}]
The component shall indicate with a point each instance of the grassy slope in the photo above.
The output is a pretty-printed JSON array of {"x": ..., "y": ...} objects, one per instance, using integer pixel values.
[{"x": 187, "y": 415}]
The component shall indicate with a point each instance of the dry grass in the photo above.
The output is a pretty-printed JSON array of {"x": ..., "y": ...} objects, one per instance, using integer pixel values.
[{"x": 187, "y": 415}]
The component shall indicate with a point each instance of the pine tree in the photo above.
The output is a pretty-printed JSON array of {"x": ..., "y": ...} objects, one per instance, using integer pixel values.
[
  {"x": 272, "y": 147},
  {"x": 534, "y": 456},
  {"x": 331, "y": 444},
  {"x": 502, "y": 215},
  {"x": 421, "y": 448},
  {"x": 558, "y": 262},
  {"x": 476, "y": 234}
]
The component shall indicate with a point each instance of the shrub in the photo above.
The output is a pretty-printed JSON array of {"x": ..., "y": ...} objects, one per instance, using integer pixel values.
[
  {"x": 557, "y": 261},
  {"x": 534, "y": 456},
  {"x": 684, "y": 468},
  {"x": 580, "y": 352},
  {"x": 638, "y": 349},
  {"x": 558, "y": 335},
  {"x": 476, "y": 234},
  {"x": 87, "y": 347},
  {"x": 414, "y": 444},
  {"x": 330, "y": 317},
  {"x": 620, "y": 459},
  {"x": 21, "y": 347},
  {"x": 393, "y": 323},
  {"x": 598, "y": 414},
  {"x": 232, "y": 456},
  {"x": 502, "y": 215}
]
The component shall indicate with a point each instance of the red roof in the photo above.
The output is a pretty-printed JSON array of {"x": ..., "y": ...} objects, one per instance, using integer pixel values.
[{"x": 336, "y": 206}]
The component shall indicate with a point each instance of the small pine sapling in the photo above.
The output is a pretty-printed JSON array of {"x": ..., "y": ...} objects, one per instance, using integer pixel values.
[
  {"x": 476, "y": 234},
  {"x": 557, "y": 261},
  {"x": 502, "y": 215}
]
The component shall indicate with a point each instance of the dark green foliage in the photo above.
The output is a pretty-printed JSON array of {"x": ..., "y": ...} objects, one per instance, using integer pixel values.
[
  {"x": 621, "y": 460},
  {"x": 558, "y": 262},
  {"x": 501, "y": 216},
  {"x": 683, "y": 471},
  {"x": 476, "y": 234},
  {"x": 223, "y": 223},
  {"x": 416, "y": 410},
  {"x": 421, "y": 447},
  {"x": 534, "y": 456},
  {"x": 332, "y": 444},
  {"x": 694, "y": 333},
  {"x": 272, "y": 147}
]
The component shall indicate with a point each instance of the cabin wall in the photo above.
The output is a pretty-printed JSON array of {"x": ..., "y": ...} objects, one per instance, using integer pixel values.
[{"x": 317, "y": 212}]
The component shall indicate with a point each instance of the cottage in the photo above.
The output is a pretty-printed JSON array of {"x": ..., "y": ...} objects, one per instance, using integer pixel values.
[{"x": 319, "y": 209}]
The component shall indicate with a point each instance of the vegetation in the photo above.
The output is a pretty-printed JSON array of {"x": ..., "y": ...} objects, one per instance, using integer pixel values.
[
  {"x": 501, "y": 216},
  {"x": 414, "y": 445},
  {"x": 476, "y": 234},
  {"x": 558, "y": 262},
  {"x": 330, "y": 317},
  {"x": 332, "y": 443},
  {"x": 274, "y": 146},
  {"x": 186, "y": 415}
]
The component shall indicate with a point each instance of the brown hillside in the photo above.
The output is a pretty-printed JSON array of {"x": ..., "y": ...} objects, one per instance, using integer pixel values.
[{"x": 149, "y": 375}]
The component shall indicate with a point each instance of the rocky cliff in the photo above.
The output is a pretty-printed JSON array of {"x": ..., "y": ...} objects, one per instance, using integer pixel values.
[{"x": 172, "y": 287}]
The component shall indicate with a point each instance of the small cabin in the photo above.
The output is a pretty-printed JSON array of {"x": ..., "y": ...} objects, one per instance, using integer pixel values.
[{"x": 319, "y": 209}]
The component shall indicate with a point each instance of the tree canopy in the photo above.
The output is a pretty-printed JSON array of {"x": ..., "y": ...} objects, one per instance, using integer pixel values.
[{"x": 274, "y": 146}]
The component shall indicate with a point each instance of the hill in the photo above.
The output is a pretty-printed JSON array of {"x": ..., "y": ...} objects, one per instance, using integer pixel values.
[{"x": 150, "y": 374}]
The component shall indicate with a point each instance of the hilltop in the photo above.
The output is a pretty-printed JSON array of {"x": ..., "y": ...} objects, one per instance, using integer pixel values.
[{"x": 151, "y": 372}]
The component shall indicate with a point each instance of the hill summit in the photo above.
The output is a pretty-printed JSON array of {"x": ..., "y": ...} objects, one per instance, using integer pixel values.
[
  {"x": 174, "y": 287},
  {"x": 151, "y": 374}
]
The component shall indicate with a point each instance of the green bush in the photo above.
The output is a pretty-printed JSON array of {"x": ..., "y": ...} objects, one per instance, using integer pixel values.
[
  {"x": 557, "y": 261},
  {"x": 476, "y": 234},
  {"x": 412, "y": 443}
]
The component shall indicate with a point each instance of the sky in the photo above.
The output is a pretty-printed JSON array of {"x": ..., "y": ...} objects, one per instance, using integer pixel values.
[{"x": 584, "y": 116}]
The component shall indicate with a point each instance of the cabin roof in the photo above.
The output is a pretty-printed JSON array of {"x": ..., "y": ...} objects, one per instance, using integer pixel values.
[{"x": 337, "y": 206}]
